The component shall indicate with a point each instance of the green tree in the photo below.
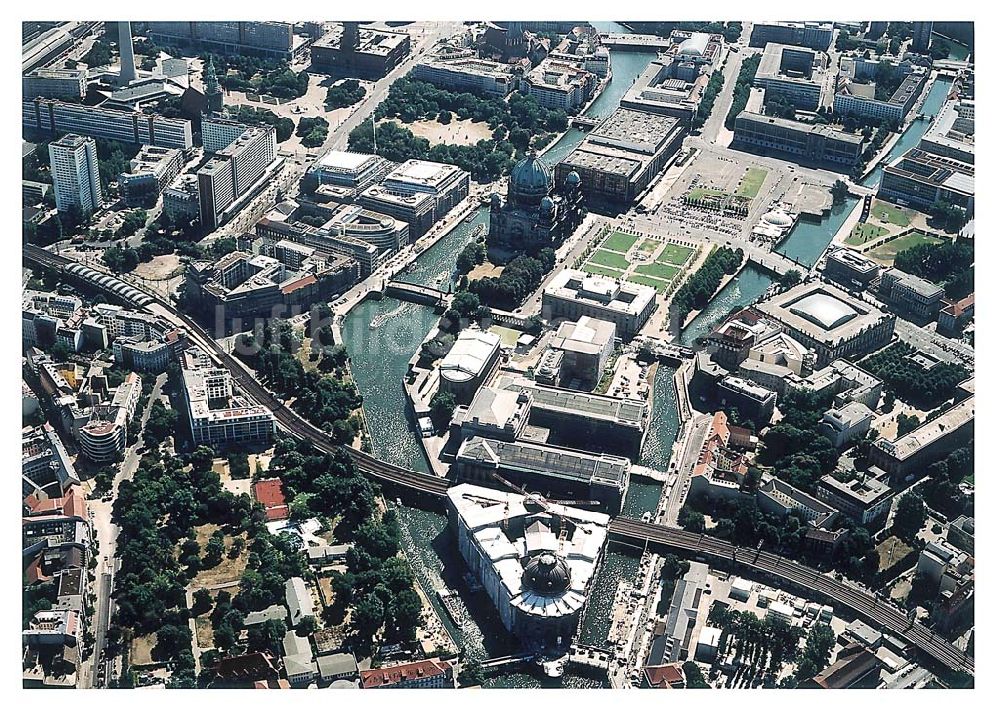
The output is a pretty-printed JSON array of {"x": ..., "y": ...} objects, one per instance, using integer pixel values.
[
  {"x": 911, "y": 513},
  {"x": 443, "y": 405}
]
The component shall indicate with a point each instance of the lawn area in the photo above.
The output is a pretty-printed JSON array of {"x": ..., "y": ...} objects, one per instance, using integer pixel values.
[
  {"x": 674, "y": 254},
  {"x": 863, "y": 233},
  {"x": 648, "y": 246},
  {"x": 750, "y": 184},
  {"x": 609, "y": 259},
  {"x": 887, "y": 251},
  {"x": 508, "y": 336},
  {"x": 658, "y": 270},
  {"x": 226, "y": 570},
  {"x": 886, "y": 212},
  {"x": 619, "y": 242},
  {"x": 699, "y": 193},
  {"x": 142, "y": 650},
  {"x": 656, "y": 283},
  {"x": 891, "y": 552},
  {"x": 601, "y": 271}
]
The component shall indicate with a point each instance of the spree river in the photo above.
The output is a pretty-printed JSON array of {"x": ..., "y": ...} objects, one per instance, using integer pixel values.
[{"x": 379, "y": 357}]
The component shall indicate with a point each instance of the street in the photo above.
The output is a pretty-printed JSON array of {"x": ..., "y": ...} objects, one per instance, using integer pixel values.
[{"x": 106, "y": 532}]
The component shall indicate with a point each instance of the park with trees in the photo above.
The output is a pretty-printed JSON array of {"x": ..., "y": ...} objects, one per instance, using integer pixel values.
[
  {"x": 325, "y": 400},
  {"x": 698, "y": 290}
]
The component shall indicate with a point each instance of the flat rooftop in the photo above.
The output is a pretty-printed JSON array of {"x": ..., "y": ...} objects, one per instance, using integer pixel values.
[
  {"x": 935, "y": 170},
  {"x": 947, "y": 423},
  {"x": 629, "y": 412},
  {"x": 822, "y": 312},
  {"x": 546, "y": 460}
]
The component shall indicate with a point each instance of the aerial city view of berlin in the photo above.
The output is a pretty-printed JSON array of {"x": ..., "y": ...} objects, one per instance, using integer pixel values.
[{"x": 500, "y": 354}]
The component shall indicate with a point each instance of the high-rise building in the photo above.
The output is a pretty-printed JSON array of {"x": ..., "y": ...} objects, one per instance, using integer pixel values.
[
  {"x": 921, "y": 36},
  {"x": 73, "y": 160},
  {"x": 127, "y": 73},
  {"x": 234, "y": 170}
]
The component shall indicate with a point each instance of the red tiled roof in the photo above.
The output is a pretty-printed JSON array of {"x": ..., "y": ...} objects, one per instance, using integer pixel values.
[
  {"x": 665, "y": 676},
  {"x": 387, "y": 676},
  {"x": 269, "y": 493}
]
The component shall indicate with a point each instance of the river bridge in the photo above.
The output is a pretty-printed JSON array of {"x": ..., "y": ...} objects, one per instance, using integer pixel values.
[
  {"x": 417, "y": 293},
  {"x": 584, "y": 122},
  {"x": 635, "y": 42},
  {"x": 879, "y": 612}
]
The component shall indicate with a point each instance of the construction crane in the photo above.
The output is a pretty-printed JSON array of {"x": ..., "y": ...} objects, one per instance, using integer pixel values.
[{"x": 541, "y": 499}]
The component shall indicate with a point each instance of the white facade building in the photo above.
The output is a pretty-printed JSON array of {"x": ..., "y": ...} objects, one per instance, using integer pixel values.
[{"x": 73, "y": 160}]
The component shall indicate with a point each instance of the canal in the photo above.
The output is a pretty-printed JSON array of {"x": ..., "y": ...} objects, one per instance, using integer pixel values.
[{"x": 379, "y": 357}]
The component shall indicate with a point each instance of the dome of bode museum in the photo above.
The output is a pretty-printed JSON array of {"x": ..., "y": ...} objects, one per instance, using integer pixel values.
[{"x": 546, "y": 574}]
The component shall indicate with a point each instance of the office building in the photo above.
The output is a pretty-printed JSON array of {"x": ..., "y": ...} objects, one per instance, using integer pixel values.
[
  {"x": 573, "y": 294},
  {"x": 953, "y": 131},
  {"x": 380, "y": 230},
  {"x": 216, "y": 413},
  {"x": 102, "y": 438},
  {"x": 865, "y": 499},
  {"x": 851, "y": 269},
  {"x": 830, "y": 321},
  {"x": 47, "y": 471},
  {"x": 537, "y": 569},
  {"x": 620, "y": 157},
  {"x": 921, "y": 179},
  {"x": 955, "y": 316},
  {"x": 560, "y": 473},
  {"x": 921, "y": 41},
  {"x": 420, "y": 674},
  {"x": 227, "y": 178},
  {"x": 55, "y": 83},
  {"x": 752, "y": 400},
  {"x": 962, "y": 533},
  {"x": 931, "y": 441},
  {"x": 806, "y": 143},
  {"x": 586, "y": 345},
  {"x": 180, "y": 198},
  {"x": 857, "y": 92},
  {"x": 52, "y": 116},
  {"x": 795, "y": 74},
  {"x": 467, "y": 73},
  {"x": 535, "y": 214},
  {"x": 776, "y": 497},
  {"x": 273, "y": 39},
  {"x": 470, "y": 362},
  {"x": 845, "y": 424},
  {"x": 149, "y": 173},
  {"x": 77, "y": 181},
  {"x": 245, "y": 285},
  {"x": 418, "y": 192},
  {"x": 918, "y": 299},
  {"x": 815, "y": 35},
  {"x": 218, "y": 133},
  {"x": 364, "y": 52},
  {"x": 343, "y": 242},
  {"x": 355, "y": 171},
  {"x": 561, "y": 85}
]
